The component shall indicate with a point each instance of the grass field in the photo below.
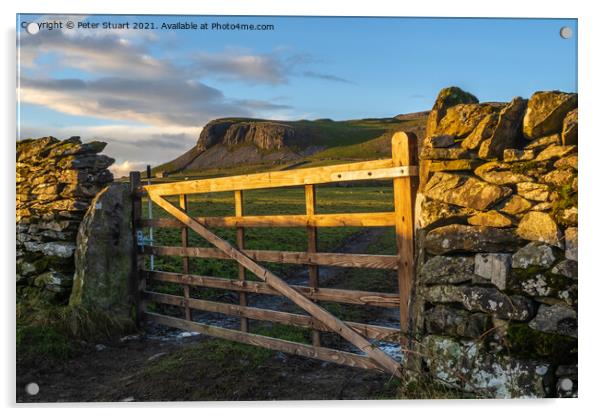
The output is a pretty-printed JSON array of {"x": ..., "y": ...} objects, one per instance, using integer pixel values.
[{"x": 269, "y": 202}]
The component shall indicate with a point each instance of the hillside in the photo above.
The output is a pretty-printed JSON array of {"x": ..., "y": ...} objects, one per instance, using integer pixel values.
[{"x": 240, "y": 145}]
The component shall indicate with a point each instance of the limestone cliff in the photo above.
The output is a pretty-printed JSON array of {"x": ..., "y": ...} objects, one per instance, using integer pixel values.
[
  {"x": 237, "y": 142},
  {"x": 266, "y": 135}
]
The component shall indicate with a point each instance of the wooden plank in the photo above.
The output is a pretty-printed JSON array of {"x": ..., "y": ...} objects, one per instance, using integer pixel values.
[
  {"x": 240, "y": 242},
  {"x": 385, "y": 173},
  {"x": 265, "y": 180},
  {"x": 367, "y": 219},
  {"x": 371, "y": 261},
  {"x": 404, "y": 152},
  {"x": 353, "y": 297},
  {"x": 331, "y": 321},
  {"x": 185, "y": 260},
  {"x": 319, "y": 353},
  {"x": 286, "y": 318},
  {"x": 136, "y": 283},
  {"x": 312, "y": 247}
]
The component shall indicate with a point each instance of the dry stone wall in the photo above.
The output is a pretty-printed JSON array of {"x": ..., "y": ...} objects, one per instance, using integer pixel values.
[
  {"x": 56, "y": 181},
  {"x": 496, "y": 289}
]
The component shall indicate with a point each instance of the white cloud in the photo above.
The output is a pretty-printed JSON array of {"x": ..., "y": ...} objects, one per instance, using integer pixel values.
[
  {"x": 157, "y": 102},
  {"x": 123, "y": 82},
  {"x": 241, "y": 66},
  {"x": 110, "y": 53},
  {"x": 132, "y": 85},
  {"x": 123, "y": 169}
]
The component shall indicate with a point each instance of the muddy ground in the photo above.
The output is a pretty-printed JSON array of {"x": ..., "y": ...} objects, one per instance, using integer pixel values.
[
  {"x": 162, "y": 364},
  {"x": 147, "y": 369}
]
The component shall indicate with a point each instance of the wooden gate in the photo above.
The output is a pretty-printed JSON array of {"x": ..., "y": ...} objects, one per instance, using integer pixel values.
[{"x": 401, "y": 168}]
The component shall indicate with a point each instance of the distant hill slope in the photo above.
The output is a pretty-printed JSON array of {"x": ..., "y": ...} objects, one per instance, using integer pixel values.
[{"x": 238, "y": 145}]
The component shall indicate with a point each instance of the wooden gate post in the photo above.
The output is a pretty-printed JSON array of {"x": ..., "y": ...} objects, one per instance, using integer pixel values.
[
  {"x": 312, "y": 247},
  {"x": 135, "y": 283},
  {"x": 240, "y": 242},
  {"x": 185, "y": 260},
  {"x": 404, "y": 153}
]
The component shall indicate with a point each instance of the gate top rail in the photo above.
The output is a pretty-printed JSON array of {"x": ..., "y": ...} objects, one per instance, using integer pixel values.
[{"x": 359, "y": 171}]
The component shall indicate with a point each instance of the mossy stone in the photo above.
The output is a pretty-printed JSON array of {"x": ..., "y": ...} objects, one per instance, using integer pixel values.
[{"x": 525, "y": 342}]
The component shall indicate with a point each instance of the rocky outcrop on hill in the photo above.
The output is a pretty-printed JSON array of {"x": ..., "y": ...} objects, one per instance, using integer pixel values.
[
  {"x": 234, "y": 142},
  {"x": 56, "y": 181},
  {"x": 266, "y": 135}
]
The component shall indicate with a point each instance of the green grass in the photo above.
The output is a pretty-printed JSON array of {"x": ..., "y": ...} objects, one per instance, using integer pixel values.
[
  {"x": 49, "y": 333},
  {"x": 39, "y": 344},
  {"x": 267, "y": 202},
  {"x": 214, "y": 350},
  {"x": 285, "y": 332}
]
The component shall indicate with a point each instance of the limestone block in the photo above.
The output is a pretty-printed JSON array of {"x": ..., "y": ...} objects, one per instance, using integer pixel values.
[
  {"x": 481, "y": 299},
  {"x": 546, "y": 112},
  {"x": 570, "y": 127},
  {"x": 571, "y": 243},
  {"x": 515, "y": 205},
  {"x": 533, "y": 191},
  {"x": 539, "y": 226},
  {"x": 465, "y": 238},
  {"x": 490, "y": 219},
  {"x": 555, "y": 152},
  {"x": 500, "y": 174},
  {"x": 567, "y": 268},
  {"x": 556, "y": 319},
  {"x": 533, "y": 254},
  {"x": 505, "y": 133},
  {"x": 445, "y": 320},
  {"x": 494, "y": 267},
  {"x": 516, "y": 155},
  {"x": 464, "y": 191},
  {"x": 447, "y": 269},
  {"x": 470, "y": 366}
]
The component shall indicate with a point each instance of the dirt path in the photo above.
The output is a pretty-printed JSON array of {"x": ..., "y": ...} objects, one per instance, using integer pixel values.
[{"x": 166, "y": 364}]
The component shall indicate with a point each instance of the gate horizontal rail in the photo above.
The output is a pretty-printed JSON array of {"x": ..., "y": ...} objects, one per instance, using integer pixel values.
[
  {"x": 260, "y": 314},
  {"x": 352, "y": 297},
  {"x": 296, "y": 348},
  {"x": 401, "y": 168},
  {"x": 360, "y": 171},
  {"x": 363, "y": 219},
  {"x": 372, "y": 261}
]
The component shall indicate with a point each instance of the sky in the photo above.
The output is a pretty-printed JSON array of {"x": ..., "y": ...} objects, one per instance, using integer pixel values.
[{"x": 149, "y": 91}]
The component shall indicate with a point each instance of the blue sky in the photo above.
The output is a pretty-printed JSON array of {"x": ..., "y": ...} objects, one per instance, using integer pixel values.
[{"x": 148, "y": 93}]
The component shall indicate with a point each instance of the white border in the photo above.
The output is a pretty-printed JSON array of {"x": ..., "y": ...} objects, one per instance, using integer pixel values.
[{"x": 591, "y": 151}]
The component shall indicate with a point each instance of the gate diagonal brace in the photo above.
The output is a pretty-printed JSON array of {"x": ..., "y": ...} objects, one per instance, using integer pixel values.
[{"x": 316, "y": 311}]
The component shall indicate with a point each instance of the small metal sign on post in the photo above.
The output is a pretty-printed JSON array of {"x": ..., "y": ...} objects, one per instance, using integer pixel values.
[{"x": 150, "y": 216}]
